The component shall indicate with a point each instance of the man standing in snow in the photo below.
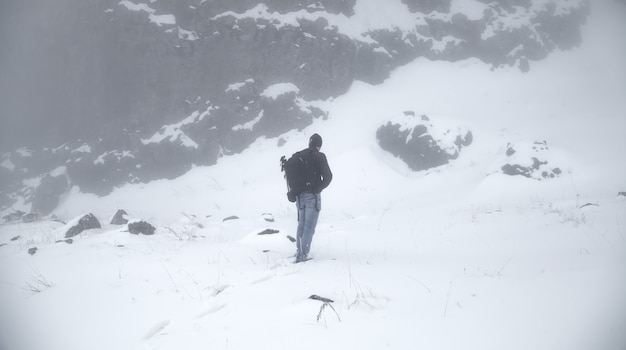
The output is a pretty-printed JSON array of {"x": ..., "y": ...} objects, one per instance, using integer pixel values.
[{"x": 309, "y": 202}]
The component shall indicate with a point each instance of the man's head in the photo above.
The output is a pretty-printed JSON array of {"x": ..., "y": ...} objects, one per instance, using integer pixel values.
[{"x": 315, "y": 141}]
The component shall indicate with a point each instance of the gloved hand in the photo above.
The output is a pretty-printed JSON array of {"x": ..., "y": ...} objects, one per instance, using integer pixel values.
[{"x": 291, "y": 196}]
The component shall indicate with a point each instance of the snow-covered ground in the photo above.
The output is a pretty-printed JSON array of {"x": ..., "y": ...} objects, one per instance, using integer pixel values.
[{"x": 460, "y": 257}]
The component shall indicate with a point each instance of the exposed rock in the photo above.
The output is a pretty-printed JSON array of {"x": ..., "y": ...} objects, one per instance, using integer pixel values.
[
  {"x": 9, "y": 182},
  {"x": 421, "y": 144},
  {"x": 526, "y": 159},
  {"x": 510, "y": 151},
  {"x": 322, "y": 299},
  {"x": 119, "y": 218},
  {"x": 31, "y": 217},
  {"x": 143, "y": 227},
  {"x": 268, "y": 232},
  {"x": 191, "y": 84},
  {"x": 47, "y": 194},
  {"x": 427, "y": 6},
  {"x": 233, "y": 217},
  {"x": 623, "y": 194},
  {"x": 15, "y": 238},
  {"x": 256, "y": 110},
  {"x": 13, "y": 217},
  {"x": 268, "y": 217},
  {"x": 32, "y": 250},
  {"x": 82, "y": 223},
  {"x": 291, "y": 238}
]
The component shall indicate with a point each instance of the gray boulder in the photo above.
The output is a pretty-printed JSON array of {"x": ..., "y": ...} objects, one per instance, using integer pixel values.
[
  {"x": 119, "y": 218},
  {"x": 268, "y": 231},
  {"x": 419, "y": 144},
  {"x": 529, "y": 160},
  {"x": 78, "y": 225},
  {"x": 143, "y": 227}
]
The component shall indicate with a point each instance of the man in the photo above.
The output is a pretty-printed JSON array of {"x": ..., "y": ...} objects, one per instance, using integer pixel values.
[{"x": 309, "y": 202}]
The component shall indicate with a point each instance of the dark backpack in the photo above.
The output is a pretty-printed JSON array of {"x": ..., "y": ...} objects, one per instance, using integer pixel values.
[{"x": 299, "y": 172}]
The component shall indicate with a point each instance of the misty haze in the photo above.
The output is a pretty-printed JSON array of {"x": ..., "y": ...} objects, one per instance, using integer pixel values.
[{"x": 478, "y": 196}]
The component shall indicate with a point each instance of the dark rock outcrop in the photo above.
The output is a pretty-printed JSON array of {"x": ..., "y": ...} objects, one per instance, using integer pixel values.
[
  {"x": 268, "y": 231},
  {"x": 152, "y": 88},
  {"x": 411, "y": 139},
  {"x": 119, "y": 218},
  {"x": 47, "y": 194},
  {"x": 85, "y": 222},
  {"x": 31, "y": 217},
  {"x": 525, "y": 159},
  {"x": 15, "y": 216},
  {"x": 428, "y": 6},
  {"x": 143, "y": 227}
]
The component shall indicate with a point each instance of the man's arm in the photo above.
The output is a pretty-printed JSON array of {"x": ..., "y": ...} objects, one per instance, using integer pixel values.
[{"x": 327, "y": 175}]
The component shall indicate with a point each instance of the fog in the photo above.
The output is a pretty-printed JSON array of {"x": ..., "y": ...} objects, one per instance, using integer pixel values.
[
  {"x": 69, "y": 71},
  {"x": 31, "y": 90},
  {"x": 57, "y": 72}
]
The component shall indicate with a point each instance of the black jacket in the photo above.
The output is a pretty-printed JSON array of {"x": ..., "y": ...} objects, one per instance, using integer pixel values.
[{"x": 323, "y": 176}]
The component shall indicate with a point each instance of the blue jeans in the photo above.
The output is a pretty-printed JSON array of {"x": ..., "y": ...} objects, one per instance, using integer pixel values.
[{"x": 309, "y": 206}]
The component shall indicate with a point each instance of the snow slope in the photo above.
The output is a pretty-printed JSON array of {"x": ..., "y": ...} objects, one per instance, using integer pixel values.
[{"x": 457, "y": 257}]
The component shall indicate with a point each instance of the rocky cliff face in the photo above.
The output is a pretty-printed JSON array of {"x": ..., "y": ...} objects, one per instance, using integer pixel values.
[{"x": 106, "y": 92}]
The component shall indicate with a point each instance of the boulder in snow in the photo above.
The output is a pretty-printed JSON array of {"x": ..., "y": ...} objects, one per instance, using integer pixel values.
[
  {"x": 119, "y": 218},
  {"x": 268, "y": 217},
  {"x": 140, "y": 226},
  {"x": 80, "y": 224},
  {"x": 268, "y": 231},
  {"x": 529, "y": 160},
  {"x": 420, "y": 143}
]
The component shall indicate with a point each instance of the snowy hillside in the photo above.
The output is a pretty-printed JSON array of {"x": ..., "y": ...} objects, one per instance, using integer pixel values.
[
  {"x": 136, "y": 91},
  {"x": 461, "y": 256}
]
